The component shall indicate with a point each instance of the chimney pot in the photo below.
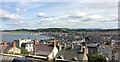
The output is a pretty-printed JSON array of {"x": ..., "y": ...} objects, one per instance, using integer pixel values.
[{"x": 5, "y": 43}]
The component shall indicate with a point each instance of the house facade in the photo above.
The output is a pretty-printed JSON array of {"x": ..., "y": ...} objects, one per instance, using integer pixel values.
[
  {"x": 12, "y": 49},
  {"x": 20, "y": 41},
  {"x": 28, "y": 46}
]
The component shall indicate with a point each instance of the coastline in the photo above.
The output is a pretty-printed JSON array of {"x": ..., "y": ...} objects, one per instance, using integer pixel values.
[
  {"x": 10, "y": 36},
  {"x": 20, "y": 33}
]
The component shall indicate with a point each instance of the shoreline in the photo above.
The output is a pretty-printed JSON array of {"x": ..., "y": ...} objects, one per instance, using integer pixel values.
[
  {"x": 9, "y": 37},
  {"x": 20, "y": 33}
]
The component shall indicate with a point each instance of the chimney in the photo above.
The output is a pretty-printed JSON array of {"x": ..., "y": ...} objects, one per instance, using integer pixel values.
[
  {"x": 65, "y": 45},
  {"x": 34, "y": 46},
  {"x": 60, "y": 48},
  {"x": 35, "y": 41},
  {"x": 85, "y": 53},
  {"x": 72, "y": 45},
  {"x": 5, "y": 43},
  {"x": 81, "y": 49},
  {"x": 14, "y": 43},
  {"x": 54, "y": 42},
  {"x": 86, "y": 50}
]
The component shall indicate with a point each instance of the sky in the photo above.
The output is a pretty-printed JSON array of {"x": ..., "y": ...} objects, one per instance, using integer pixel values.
[{"x": 59, "y": 14}]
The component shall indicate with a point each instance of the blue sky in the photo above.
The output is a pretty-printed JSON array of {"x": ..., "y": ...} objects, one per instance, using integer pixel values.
[{"x": 33, "y": 15}]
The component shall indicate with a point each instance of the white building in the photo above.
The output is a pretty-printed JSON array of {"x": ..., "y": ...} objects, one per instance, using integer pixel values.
[
  {"x": 28, "y": 46},
  {"x": 20, "y": 41}
]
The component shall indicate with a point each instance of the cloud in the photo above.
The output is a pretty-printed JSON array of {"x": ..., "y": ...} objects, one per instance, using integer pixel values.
[
  {"x": 77, "y": 15},
  {"x": 42, "y": 14},
  {"x": 64, "y": 21},
  {"x": 96, "y": 17},
  {"x": 18, "y": 10},
  {"x": 65, "y": 15},
  {"x": 60, "y": 0},
  {"x": 78, "y": 20},
  {"x": 7, "y": 16}
]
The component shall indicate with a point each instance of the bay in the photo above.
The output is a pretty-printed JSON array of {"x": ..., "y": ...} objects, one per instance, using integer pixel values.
[{"x": 12, "y": 37}]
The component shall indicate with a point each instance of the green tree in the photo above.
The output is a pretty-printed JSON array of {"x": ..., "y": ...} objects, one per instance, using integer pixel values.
[
  {"x": 23, "y": 50},
  {"x": 97, "y": 57}
]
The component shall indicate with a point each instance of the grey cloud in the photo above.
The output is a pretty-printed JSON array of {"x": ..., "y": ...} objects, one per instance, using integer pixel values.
[{"x": 7, "y": 16}]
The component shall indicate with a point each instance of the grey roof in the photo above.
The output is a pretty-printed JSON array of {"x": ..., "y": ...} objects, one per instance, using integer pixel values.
[
  {"x": 8, "y": 48},
  {"x": 44, "y": 50},
  {"x": 27, "y": 43},
  {"x": 92, "y": 45},
  {"x": 2, "y": 48},
  {"x": 70, "y": 55}
]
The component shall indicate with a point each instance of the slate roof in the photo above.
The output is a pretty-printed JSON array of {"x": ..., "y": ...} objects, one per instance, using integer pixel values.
[
  {"x": 92, "y": 45},
  {"x": 8, "y": 48},
  {"x": 2, "y": 48},
  {"x": 70, "y": 55},
  {"x": 43, "y": 49}
]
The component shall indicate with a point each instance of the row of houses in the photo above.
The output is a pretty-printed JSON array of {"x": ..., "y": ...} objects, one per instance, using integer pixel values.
[
  {"x": 60, "y": 51},
  {"x": 9, "y": 48},
  {"x": 111, "y": 50},
  {"x": 63, "y": 51}
]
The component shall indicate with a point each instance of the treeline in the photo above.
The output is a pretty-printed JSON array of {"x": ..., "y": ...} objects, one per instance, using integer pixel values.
[{"x": 62, "y": 30}]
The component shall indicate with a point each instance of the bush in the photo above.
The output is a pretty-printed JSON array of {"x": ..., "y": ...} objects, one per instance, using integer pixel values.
[
  {"x": 98, "y": 58},
  {"x": 23, "y": 50}
]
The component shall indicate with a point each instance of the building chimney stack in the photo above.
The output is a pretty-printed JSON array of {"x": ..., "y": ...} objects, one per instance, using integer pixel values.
[
  {"x": 5, "y": 43},
  {"x": 65, "y": 45},
  {"x": 54, "y": 42},
  {"x": 72, "y": 46},
  {"x": 35, "y": 41},
  {"x": 34, "y": 45},
  {"x": 60, "y": 47},
  {"x": 14, "y": 43}
]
